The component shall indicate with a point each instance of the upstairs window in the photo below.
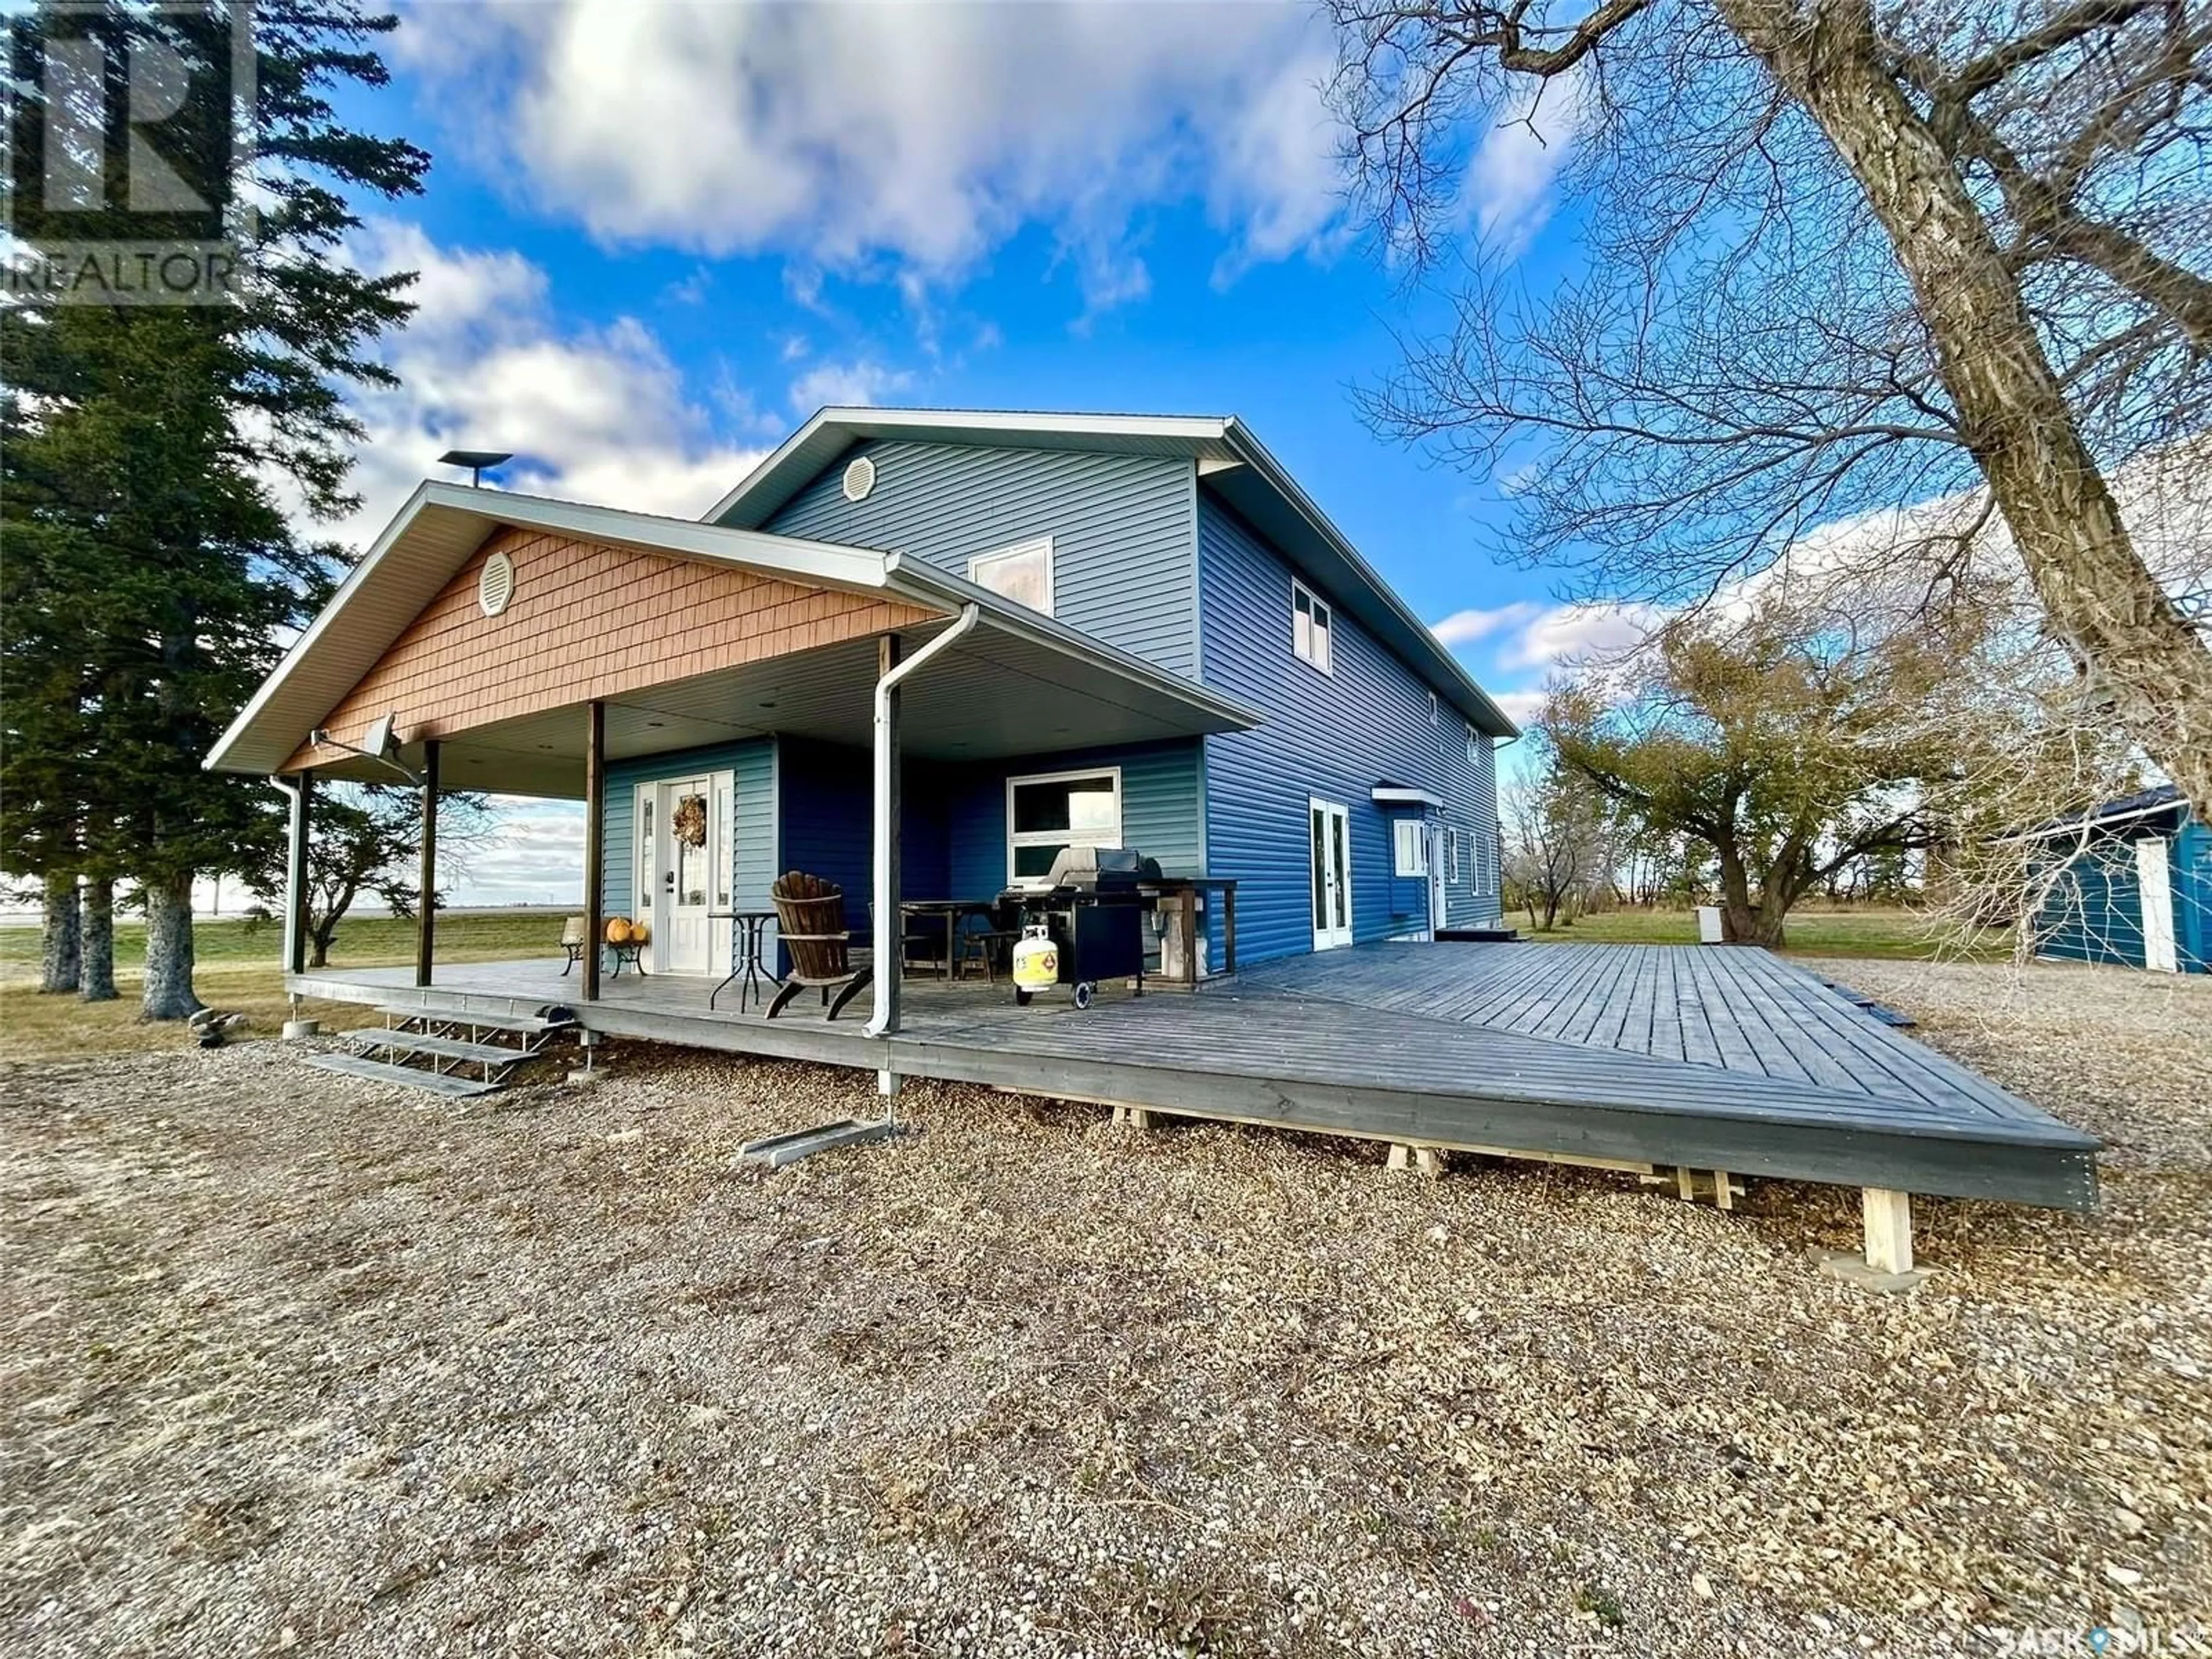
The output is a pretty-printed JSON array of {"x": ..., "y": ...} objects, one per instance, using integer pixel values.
[
  {"x": 1473, "y": 748},
  {"x": 1022, "y": 573},
  {"x": 1310, "y": 629}
]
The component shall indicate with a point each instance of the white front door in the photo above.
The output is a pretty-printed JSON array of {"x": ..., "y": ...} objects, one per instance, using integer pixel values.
[
  {"x": 1330, "y": 832},
  {"x": 685, "y": 811},
  {"x": 2155, "y": 884}
]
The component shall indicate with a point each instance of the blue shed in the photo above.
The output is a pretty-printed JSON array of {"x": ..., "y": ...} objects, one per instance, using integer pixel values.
[{"x": 2130, "y": 886}]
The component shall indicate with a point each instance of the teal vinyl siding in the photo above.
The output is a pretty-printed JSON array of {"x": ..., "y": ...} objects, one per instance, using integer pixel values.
[
  {"x": 2093, "y": 910},
  {"x": 752, "y": 765},
  {"x": 1124, "y": 566},
  {"x": 1333, "y": 736}
]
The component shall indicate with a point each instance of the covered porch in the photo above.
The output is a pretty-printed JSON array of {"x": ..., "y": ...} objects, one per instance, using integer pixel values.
[{"x": 804, "y": 707}]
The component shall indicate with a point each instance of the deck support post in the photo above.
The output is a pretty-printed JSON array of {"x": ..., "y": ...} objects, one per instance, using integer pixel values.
[
  {"x": 888, "y": 1082},
  {"x": 1137, "y": 1118},
  {"x": 595, "y": 841},
  {"x": 1429, "y": 1160},
  {"x": 426, "y": 913},
  {"x": 1888, "y": 1215}
]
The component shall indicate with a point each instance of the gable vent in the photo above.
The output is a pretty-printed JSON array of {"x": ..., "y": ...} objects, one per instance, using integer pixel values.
[
  {"x": 496, "y": 586},
  {"x": 859, "y": 479}
]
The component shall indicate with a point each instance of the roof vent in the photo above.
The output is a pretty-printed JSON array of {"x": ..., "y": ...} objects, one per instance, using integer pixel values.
[
  {"x": 496, "y": 586},
  {"x": 859, "y": 479}
]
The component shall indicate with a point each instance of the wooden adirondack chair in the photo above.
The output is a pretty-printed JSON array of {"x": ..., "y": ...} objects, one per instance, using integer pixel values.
[
  {"x": 574, "y": 937},
  {"x": 809, "y": 918}
]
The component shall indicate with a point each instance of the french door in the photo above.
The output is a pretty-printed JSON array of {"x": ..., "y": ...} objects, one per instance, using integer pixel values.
[
  {"x": 685, "y": 862},
  {"x": 1329, "y": 827}
]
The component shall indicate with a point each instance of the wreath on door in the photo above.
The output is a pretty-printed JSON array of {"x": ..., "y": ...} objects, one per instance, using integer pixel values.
[{"x": 688, "y": 822}]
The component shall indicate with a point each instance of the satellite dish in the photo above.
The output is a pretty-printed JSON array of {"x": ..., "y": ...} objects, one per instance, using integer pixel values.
[{"x": 377, "y": 740}]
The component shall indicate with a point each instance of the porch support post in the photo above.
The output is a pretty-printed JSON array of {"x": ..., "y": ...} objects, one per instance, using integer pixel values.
[
  {"x": 885, "y": 930},
  {"x": 301, "y": 790},
  {"x": 426, "y": 913},
  {"x": 595, "y": 842}
]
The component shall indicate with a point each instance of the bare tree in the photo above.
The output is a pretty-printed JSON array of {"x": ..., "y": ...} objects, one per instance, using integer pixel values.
[
  {"x": 367, "y": 838},
  {"x": 1835, "y": 259},
  {"x": 1558, "y": 841}
]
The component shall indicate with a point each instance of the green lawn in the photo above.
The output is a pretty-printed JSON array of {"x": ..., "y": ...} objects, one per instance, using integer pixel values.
[
  {"x": 236, "y": 969},
  {"x": 362, "y": 942},
  {"x": 1893, "y": 933}
]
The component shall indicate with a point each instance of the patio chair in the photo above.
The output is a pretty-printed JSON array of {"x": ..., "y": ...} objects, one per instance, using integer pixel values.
[
  {"x": 574, "y": 937},
  {"x": 810, "y": 921}
]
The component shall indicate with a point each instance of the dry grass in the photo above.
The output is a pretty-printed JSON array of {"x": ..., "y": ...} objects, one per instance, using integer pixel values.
[{"x": 299, "y": 1362}]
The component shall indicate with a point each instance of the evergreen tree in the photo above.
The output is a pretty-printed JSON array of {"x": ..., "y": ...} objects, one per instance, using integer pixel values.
[{"x": 150, "y": 569}]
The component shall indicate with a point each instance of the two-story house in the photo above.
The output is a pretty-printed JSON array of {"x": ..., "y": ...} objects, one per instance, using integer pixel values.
[{"x": 1163, "y": 645}]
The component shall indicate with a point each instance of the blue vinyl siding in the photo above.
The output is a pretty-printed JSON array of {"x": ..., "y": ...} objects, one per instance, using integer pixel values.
[
  {"x": 1331, "y": 736},
  {"x": 752, "y": 765},
  {"x": 1123, "y": 566},
  {"x": 1161, "y": 805},
  {"x": 954, "y": 844},
  {"x": 827, "y": 803},
  {"x": 2093, "y": 912}
]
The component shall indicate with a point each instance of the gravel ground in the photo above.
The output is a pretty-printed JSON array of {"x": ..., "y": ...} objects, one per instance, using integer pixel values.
[{"x": 299, "y": 1364}]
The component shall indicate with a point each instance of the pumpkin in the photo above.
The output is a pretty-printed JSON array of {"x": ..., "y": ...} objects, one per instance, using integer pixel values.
[
  {"x": 618, "y": 930},
  {"x": 639, "y": 932}
]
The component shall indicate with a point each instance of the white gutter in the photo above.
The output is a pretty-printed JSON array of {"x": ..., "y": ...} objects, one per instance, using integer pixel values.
[
  {"x": 294, "y": 868},
  {"x": 885, "y": 1020}
]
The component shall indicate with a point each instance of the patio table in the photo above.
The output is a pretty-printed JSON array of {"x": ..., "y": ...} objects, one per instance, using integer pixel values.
[
  {"x": 953, "y": 912},
  {"x": 749, "y": 969}
]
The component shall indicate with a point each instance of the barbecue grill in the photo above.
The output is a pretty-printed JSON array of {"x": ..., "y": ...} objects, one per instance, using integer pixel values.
[{"x": 1093, "y": 906}]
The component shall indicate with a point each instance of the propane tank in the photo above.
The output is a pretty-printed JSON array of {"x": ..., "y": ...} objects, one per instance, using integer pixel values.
[{"x": 1037, "y": 959}]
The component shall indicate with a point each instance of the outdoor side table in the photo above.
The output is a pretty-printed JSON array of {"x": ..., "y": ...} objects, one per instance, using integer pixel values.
[{"x": 752, "y": 973}]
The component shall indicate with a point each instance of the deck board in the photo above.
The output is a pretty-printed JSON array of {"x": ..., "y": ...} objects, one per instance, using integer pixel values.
[{"x": 1717, "y": 1058}]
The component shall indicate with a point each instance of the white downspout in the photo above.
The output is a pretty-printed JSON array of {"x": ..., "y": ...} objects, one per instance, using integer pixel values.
[{"x": 885, "y": 1020}]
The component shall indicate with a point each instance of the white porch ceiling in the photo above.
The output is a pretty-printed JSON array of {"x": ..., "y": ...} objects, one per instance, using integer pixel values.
[{"x": 995, "y": 694}]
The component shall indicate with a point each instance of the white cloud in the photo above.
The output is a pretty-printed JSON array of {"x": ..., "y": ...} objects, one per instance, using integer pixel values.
[
  {"x": 860, "y": 384},
  {"x": 1508, "y": 181},
  {"x": 1467, "y": 626},
  {"x": 843, "y": 133},
  {"x": 1565, "y": 635},
  {"x": 1522, "y": 706},
  {"x": 598, "y": 415}
]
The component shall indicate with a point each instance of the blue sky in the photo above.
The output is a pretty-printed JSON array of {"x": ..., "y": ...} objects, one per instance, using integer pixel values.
[{"x": 656, "y": 237}]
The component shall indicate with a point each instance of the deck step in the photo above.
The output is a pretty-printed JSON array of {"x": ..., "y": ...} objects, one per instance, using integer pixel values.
[
  {"x": 421, "y": 1042},
  {"x": 528, "y": 1024},
  {"x": 406, "y": 1077}
]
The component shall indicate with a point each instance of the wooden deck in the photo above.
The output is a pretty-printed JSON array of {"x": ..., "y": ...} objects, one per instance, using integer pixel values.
[{"x": 1644, "y": 1055}]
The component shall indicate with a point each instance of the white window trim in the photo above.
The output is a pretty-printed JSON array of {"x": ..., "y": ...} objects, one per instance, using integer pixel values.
[
  {"x": 1314, "y": 601},
  {"x": 1473, "y": 755},
  {"x": 1019, "y": 550},
  {"x": 1052, "y": 837},
  {"x": 1409, "y": 847},
  {"x": 1451, "y": 854}
]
